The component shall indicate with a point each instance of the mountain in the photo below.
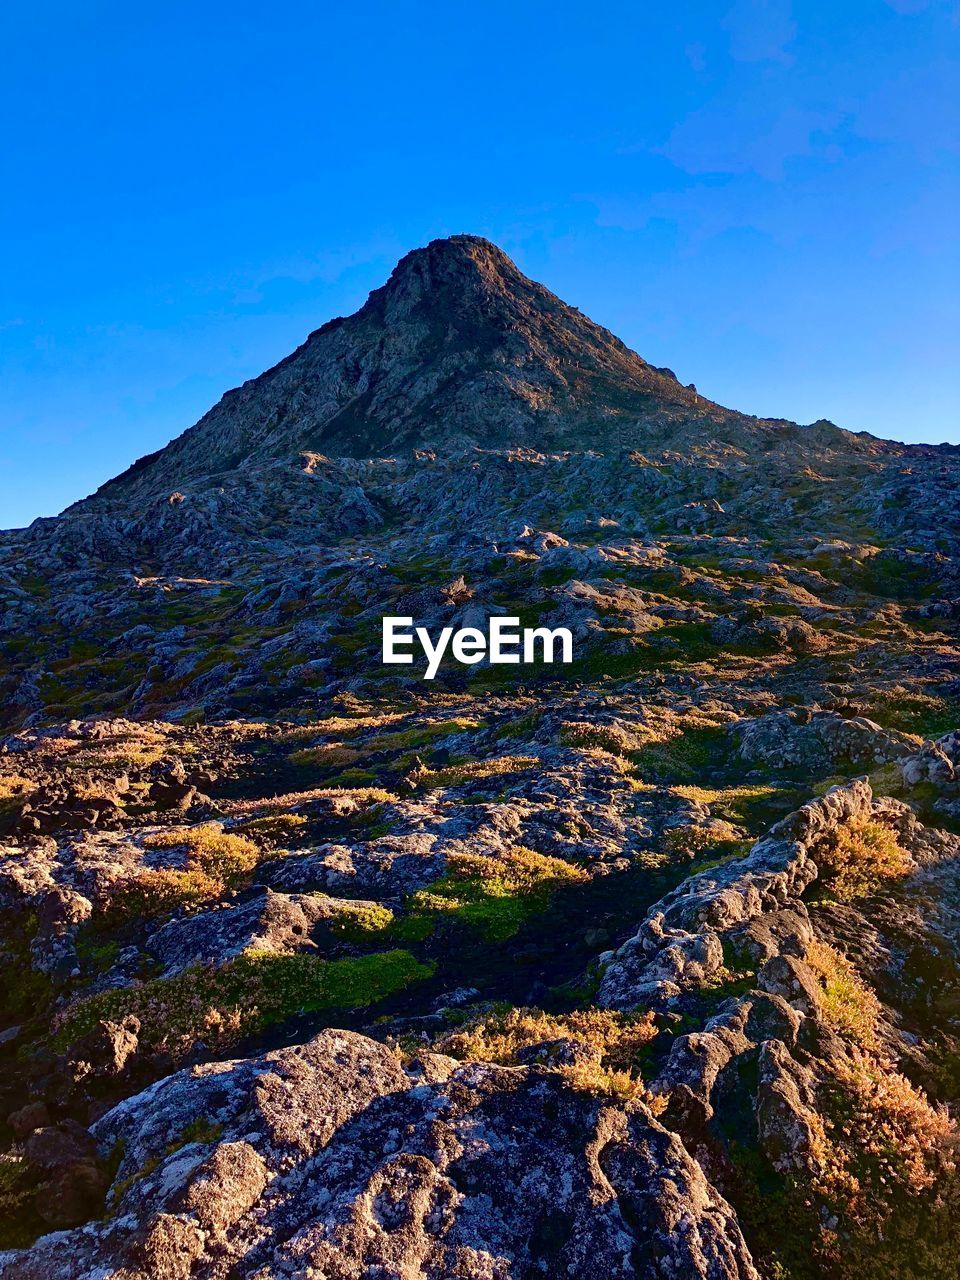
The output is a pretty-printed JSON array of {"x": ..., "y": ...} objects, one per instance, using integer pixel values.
[
  {"x": 458, "y": 349},
  {"x": 379, "y": 417},
  {"x": 639, "y": 967}
]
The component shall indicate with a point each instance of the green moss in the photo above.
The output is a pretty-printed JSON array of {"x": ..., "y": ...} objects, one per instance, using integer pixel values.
[
  {"x": 20, "y": 1224},
  {"x": 555, "y": 576},
  {"x": 25, "y": 994},
  {"x": 524, "y": 726},
  {"x": 892, "y": 576},
  {"x": 335, "y": 753},
  {"x": 459, "y": 773},
  {"x": 120, "y": 1188},
  {"x": 683, "y": 759},
  {"x": 358, "y": 921},
  {"x": 251, "y": 992},
  {"x": 919, "y": 713},
  {"x": 351, "y": 778},
  {"x": 95, "y": 956},
  {"x": 755, "y": 806},
  {"x": 493, "y": 895},
  {"x": 198, "y": 1130}
]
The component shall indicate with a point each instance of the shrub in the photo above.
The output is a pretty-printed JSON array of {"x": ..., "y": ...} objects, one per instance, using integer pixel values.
[
  {"x": 153, "y": 893},
  {"x": 25, "y": 994},
  {"x": 859, "y": 857},
  {"x": 886, "y": 1178},
  {"x": 689, "y": 841},
  {"x": 912, "y": 711},
  {"x": 210, "y": 849}
]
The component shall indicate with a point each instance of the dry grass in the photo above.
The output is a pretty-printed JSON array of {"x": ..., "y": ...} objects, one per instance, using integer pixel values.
[
  {"x": 14, "y": 791},
  {"x": 339, "y": 754},
  {"x": 614, "y": 1043},
  {"x": 458, "y": 774},
  {"x": 616, "y": 1038},
  {"x": 294, "y": 799}
]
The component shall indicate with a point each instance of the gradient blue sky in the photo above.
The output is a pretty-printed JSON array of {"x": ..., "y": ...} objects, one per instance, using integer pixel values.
[{"x": 762, "y": 196}]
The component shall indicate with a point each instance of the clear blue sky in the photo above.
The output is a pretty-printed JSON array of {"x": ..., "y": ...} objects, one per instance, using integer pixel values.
[{"x": 762, "y": 196}]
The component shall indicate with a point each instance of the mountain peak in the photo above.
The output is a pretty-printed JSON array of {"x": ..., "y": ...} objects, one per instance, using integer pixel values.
[
  {"x": 456, "y": 273},
  {"x": 453, "y": 252}
]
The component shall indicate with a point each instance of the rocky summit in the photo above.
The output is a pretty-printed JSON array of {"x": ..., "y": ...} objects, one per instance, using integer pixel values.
[{"x": 645, "y": 965}]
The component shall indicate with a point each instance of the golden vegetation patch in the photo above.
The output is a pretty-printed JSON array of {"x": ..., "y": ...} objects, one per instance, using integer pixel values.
[
  {"x": 474, "y": 770},
  {"x": 616, "y": 738},
  {"x": 338, "y": 754},
  {"x": 736, "y": 804},
  {"x": 848, "y": 1005},
  {"x": 216, "y": 860},
  {"x": 859, "y": 857},
  {"x": 616, "y": 1038},
  {"x": 608, "y": 1047},
  {"x": 209, "y": 848},
  {"x": 14, "y": 791},
  {"x": 295, "y": 799},
  {"x": 345, "y": 726}
]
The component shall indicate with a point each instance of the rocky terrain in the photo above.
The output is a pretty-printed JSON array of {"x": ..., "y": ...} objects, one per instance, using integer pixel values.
[{"x": 645, "y": 966}]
